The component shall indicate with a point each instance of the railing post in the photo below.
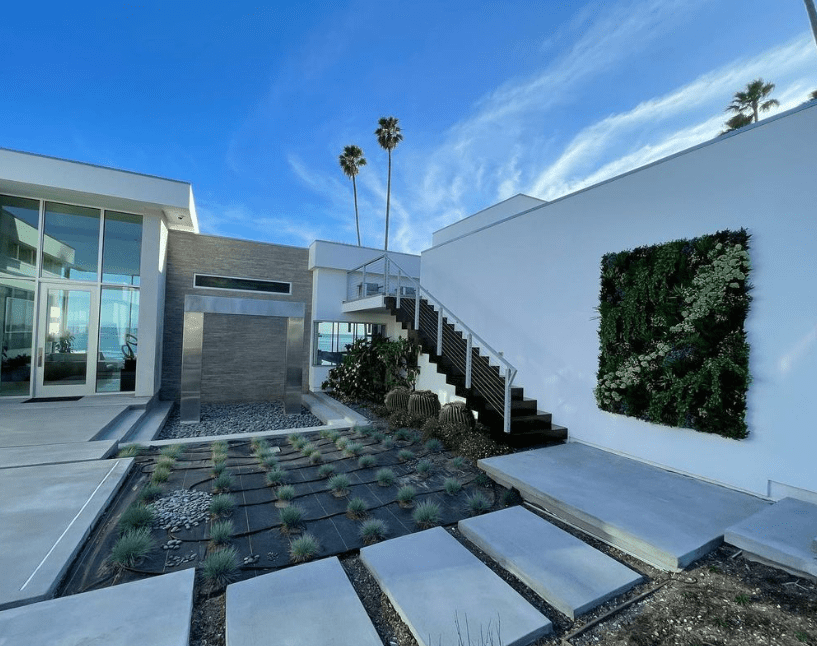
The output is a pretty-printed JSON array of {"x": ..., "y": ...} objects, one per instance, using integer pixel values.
[
  {"x": 440, "y": 332},
  {"x": 468, "y": 348},
  {"x": 506, "y": 423},
  {"x": 363, "y": 291},
  {"x": 398, "y": 289},
  {"x": 417, "y": 309},
  {"x": 386, "y": 276}
]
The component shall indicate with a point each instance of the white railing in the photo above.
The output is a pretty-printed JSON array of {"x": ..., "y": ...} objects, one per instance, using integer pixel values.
[{"x": 383, "y": 276}]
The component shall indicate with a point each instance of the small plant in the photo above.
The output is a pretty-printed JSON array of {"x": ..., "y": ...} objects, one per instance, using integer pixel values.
[
  {"x": 160, "y": 474},
  {"x": 373, "y": 530},
  {"x": 275, "y": 477},
  {"x": 341, "y": 443},
  {"x": 262, "y": 454},
  {"x": 172, "y": 450},
  {"x": 132, "y": 547},
  {"x": 356, "y": 508},
  {"x": 404, "y": 435},
  {"x": 259, "y": 445},
  {"x": 405, "y": 495},
  {"x": 801, "y": 636},
  {"x": 296, "y": 441},
  {"x": 378, "y": 437},
  {"x": 333, "y": 436},
  {"x": 404, "y": 455},
  {"x": 742, "y": 599},
  {"x": 339, "y": 484},
  {"x": 424, "y": 468},
  {"x": 482, "y": 479},
  {"x": 352, "y": 449},
  {"x": 136, "y": 516},
  {"x": 131, "y": 451},
  {"x": 306, "y": 449},
  {"x": 290, "y": 517},
  {"x": 434, "y": 445},
  {"x": 221, "y": 531},
  {"x": 452, "y": 486},
  {"x": 220, "y": 567},
  {"x": 385, "y": 477},
  {"x": 286, "y": 493},
  {"x": 478, "y": 503},
  {"x": 150, "y": 493},
  {"x": 219, "y": 458},
  {"x": 365, "y": 431},
  {"x": 366, "y": 461},
  {"x": 219, "y": 446},
  {"x": 326, "y": 471},
  {"x": 387, "y": 443},
  {"x": 223, "y": 482},
  {"x": 166, "y": 461},
  {"x": 269, "y": 462},
  {"x": 459, "y": 463},
  {"x": 303, "y": 548},
  {"x": 221, "y": 506},
  {"x": 509, "y": 498},
  {"x": 218, "y": 468},
  {"x": 427, "y": 514}
]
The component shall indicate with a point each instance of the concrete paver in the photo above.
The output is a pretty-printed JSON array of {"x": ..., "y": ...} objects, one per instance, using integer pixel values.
[
  {"x": 566, "y": 572},
  {"x": 312, "y": 604},
  {"x": 151, "y": 612},
  {"x": 435, "y": 583},
  {"x": 47, "y": 513},
  {"x": 780, "y": 534},
  {"x": 37, "y": 424},
  {"x": 27, "y": 456},
  {"x": 663, "y": 518}
]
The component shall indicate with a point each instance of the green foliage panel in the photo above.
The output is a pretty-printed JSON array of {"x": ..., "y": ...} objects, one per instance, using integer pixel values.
[{"x": 673, "y": 344}]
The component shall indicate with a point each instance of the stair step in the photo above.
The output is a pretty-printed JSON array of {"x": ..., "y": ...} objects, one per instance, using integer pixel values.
[
  {"x": 435, "y": 583},
  {"x": 566, "y": 572},
  {"x": 520, "y": 406}
]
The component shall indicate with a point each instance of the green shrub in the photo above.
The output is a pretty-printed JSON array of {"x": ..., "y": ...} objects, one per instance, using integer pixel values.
[
  {"x": 219, "y": 468},
  {"x": 404, "y": 455},
  {"x": 341, "y": 443},
  {"x": 404, "y": 419},
  {"x": 366, "y": 461},
  {"x": 385, "y": 477},
  {"x": 452, "y": 486},
  {"x": 427, "y": 514},
  {"x": 296, "y": 441},
  {"x": 291, "y": 517},
  {"x": 223, "y": 482},
  {"x": 352, "y": 449},
  {"x": 275, "y": 477},
  {"x": 286, "y": 493},
  {"x": 387, "y": 443},
  {"x": 424, "y": 467},
  {"x": 306, "y": 449},
  {"x": 315, "y": 457},
  {"x": 326, "y": 471},
  {"x": 434, "y": 445},
  {"x": 373, "y": 530},
  {"x": 221, "y": 506},
  {"x": 303, "y": 548},
  {"x": 478, "y": 503},
  {"x": 221, "y": 531},
  {"x": 150, "y": 492},
  {"x": 172, "y": 450},
  {"x": 339, "y": 483},
  {"x": 160, "y": 474},
  {"x": 406, "y": 494},
  {"x": 132, "y": 547},
  {"x": 137, "y": 516},
  {"x": 356, "y": 508},
  {"x": 473, "y": 444},
  {"x": 165, "y": 461},
  {"x": 333, "y": 436},
  {"x": 220, "y": 567}
]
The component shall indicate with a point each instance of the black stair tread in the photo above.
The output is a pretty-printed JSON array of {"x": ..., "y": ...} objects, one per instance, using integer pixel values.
[{"x": 519, "y": 406}]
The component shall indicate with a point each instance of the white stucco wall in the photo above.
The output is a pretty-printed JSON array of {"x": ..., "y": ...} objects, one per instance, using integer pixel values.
[
  {"x": 151, "y": 305},
  {"x": 488, "y": 216},
  {"x": 529, "y": 286}
]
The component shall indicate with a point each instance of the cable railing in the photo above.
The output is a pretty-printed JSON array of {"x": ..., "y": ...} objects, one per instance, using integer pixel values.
[{"x": 383, "y": 276}]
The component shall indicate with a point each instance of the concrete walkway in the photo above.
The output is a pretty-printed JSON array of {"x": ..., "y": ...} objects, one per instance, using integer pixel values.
[{"x": 663, "y": 518}]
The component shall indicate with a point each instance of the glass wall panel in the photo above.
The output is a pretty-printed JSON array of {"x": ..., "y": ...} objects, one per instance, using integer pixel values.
[
  {"x": 66, "y": 342},
  {"x": 121, "y": 248},
  {"x": 19, "y": 235},
  {"x": 332, "y": 339},
  {"x": 118, "y": 338},
  {"x": 16, "y": 335},
  {"x": 71, "y": 242}
]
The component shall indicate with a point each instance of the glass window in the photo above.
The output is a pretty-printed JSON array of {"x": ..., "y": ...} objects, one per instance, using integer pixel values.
[
  {"x": 118, "y": 340},
  {"x": 71, "y": 242},
  {"x": 121, "y": 248},
  {"x": 242, "y": 284},
  {"x": 16, "y": 335},
  {"x": 68, "y": 316},
  {"x": 19, "y": 235},
  {"x": 332, "y": 339}
]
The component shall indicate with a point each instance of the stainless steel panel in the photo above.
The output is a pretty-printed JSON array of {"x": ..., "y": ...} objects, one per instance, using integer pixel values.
[
  {"x": 193, "y": 335},
  {"x": 293, "y": 387},
  {"x": 249, "y": 306}
]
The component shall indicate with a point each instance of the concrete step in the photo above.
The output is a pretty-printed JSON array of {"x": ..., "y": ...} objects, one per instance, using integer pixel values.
[
  {"x": 120, "y": 427},
  {"x": 29, "y": 456},
  {"x": 312, "y": 604},
  {"x": 566, "y": 572},
  {"x": 663, "y": 518},
  {"x": 147, "y": 427},
  {"x": 442, "y": 592},
  {"x": 153, "y": 611},
  {"x": 781, "y": 535}
]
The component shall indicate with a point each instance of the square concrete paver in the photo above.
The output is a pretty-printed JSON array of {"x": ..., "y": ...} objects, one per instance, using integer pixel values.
[
  {"x": 152, "y": 612},
  {"x": 435, "y": 583},
  {"x": 313, "y": 604},
  {"x": 52, "y": 423},
  {"x": 47, "y": 513},
  {"x": 780, "y": 534},
  {"x": 663, "y": 518},
  {"x": 566, "y": 572}
]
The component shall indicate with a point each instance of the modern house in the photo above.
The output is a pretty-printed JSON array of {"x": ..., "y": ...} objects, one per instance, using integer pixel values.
[{"x": 107, "y": 286}]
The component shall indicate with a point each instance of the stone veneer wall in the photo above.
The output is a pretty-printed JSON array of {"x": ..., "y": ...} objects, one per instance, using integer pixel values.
[{"x": 243, "y": 356}]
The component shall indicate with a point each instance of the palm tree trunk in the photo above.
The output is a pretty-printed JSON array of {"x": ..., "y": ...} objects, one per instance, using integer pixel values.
[
  {"x": 755, "y": 112},
  {"x": 812, "y": 16},
  {"x": 357, "y": 219},
  {"x": 388, "y": 199}
]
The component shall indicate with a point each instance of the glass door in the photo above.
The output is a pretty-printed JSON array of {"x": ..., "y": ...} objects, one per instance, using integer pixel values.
[{"x": 66, "y": 340}]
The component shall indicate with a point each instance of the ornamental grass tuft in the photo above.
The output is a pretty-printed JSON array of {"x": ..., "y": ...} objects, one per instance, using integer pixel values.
[
  {"x": 356, "y": 508},
  {"x": 341, "y": 443},
  {"x": 223, "y": 482},
  {"x": 285, "y": 493},
  {"x": 427, "y": 514},
  {"x": 221, "y": 531},
  {"x": 385, "y": 477},
  {"x": 218, "y": 468},
  {"x": 387, "y": 443},
  {"x": 172, "y": 450},
  {"x": 131, "y": 451},
  {"x": 373, "y": 530},
  {"x": 132, "y": 547},
  {"x": 306, "y": 449},
  {"x": 221, "y": 506},
  {"x": 304, "y": 548},
  {"x": 424, "y": 467},
  {"x": 326, "y": 471},
  {"x": 269, "y": 462},
  {"x": 366, "y": 461},
  {"x": 315, "y": 457},
  {"x": 290, "y": 517},
  {"x": 478, "y": 503},
  {"x": 406, "y": 494},
  {"x": 136, "y": 516},
  {"x": 459, "y": 463},
  {"x": 352, "y": 449},
  {"x": 452, "y": 486},
  {"x": 296, "y": 441},
  {"x": 150, "y": 492},
  {"x": 434, "y": 445},
  {"x": 275, "y": 476},
  {"x": 339, "y": 484},
  {"x": 221, "y": 567},
  {"x": 404, "y": 455},
  {"x": 160, "y": 474},
  {"x": 165, "y": 461}
]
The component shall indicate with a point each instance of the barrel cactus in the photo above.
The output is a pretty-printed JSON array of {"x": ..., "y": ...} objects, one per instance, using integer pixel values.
[
  {"x": 423, "y": 403},
  {"x": 397, "y": 399},
  {"x": 457, "y": 413}
]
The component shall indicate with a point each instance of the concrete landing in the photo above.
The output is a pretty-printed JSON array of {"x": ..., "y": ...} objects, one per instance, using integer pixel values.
[
  {"x": 29, "y": 456},
  {"x": 434, "y": 583},
  {"x": 781, "y": 535},
  {"x": 663, "y": 518},
  {"x": 153, "y": 612},
  {"x": 38, "y": 424},
  {"x": 47, "y": 513},
  {"x": 312, "y": 604},
  {"x": 566, "y": 572}
]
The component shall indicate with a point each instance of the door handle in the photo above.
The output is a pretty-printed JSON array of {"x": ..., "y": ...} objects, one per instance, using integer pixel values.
[{"x": 39, "y": 357}]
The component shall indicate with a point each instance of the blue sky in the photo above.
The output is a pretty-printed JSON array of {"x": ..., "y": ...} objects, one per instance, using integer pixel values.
[{"x": 253, "y": 102}]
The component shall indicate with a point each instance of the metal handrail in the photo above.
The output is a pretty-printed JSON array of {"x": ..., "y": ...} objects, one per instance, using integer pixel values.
[{"x": 472, "y": 338}]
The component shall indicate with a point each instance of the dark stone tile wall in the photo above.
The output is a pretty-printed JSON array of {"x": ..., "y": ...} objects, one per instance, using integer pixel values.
[{"x": 243, "y": 356}]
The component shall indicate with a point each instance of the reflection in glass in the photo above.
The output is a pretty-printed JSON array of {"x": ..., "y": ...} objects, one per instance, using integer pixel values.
[
  {"x": 66, "y": 345},
  {"x": 118, "y": 339},
  {"x": 16, "y": 335},
  {"x": 332, "y": 339},
  {"x": 19, "y": 235},
  {"x": 71, "y": 242},
  {"x": 121, "y": 248}
]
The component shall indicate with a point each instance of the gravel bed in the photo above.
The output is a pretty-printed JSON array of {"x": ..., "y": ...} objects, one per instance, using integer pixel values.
[
  {"x": 229, "y": 419},
  {"x": 182, "y": 508}
]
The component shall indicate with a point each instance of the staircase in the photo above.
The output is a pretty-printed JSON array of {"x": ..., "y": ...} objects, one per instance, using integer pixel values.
[{"x": 486, "y": 392}]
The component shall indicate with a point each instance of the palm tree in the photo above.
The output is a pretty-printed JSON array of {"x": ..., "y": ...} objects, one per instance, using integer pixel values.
[
  {"x": 812, "y": 17},
  {"x": 351, "y": 159},
  {"x": 388, "y": 136},
  {"x": 813, "y": 95},
  {"x": 736, "y": 122},
  {"x": 751, "y": 99}
]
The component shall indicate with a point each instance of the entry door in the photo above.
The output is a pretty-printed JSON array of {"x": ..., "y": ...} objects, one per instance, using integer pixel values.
[{"x": 67, "y": 340}]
